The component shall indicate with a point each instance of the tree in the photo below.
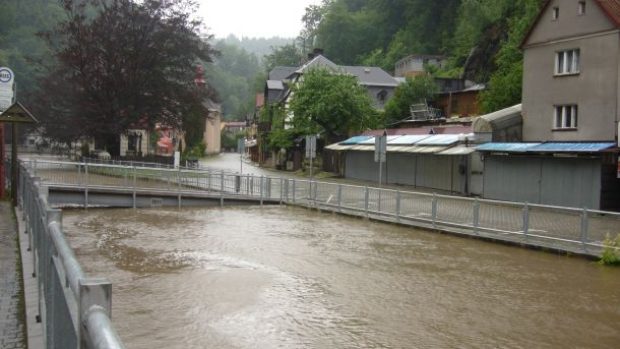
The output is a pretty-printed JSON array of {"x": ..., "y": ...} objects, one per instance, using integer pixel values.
[
  {"x": 20, "y": 48},
  {"x": 331, "y": 103},
  {"x": 122, "y": 64},
  {"x": 311, "y": 20},
  {"x": 233, "y": 73},
  {"x": 287, "y": 55},
  {"x": 504, "y": 89},
  {"x": 412, "y": 91}
]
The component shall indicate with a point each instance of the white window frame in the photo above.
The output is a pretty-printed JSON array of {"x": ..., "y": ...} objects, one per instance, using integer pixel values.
[
  {"x": 565, "y": 116},
  {"x": 581, "y": 8},
  {"x": 568, "y": 62}
]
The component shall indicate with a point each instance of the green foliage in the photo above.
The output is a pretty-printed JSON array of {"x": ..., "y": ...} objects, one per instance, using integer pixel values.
[
  {"x": 414, "y": 90},
  {"x": 121, "y": 65},
  {"x": 331, "y": 103},
  {"x": 229, "y": 140},
  {"x": 504, "y": 88},
  {"x": 383, "y": 31},
  {"x": 279, "y": 136},
  {"x": 233, "y": 74},
  {"x": 21, "y": 49},
  {"x": 287, "y": 55},
  {"x": 195, "y": 152},
  {"x": 611, "y": 251}
]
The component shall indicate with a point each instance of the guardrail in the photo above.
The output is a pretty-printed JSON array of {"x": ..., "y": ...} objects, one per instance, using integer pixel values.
[
  {"x": 568, "y": 229},
  {"x": 74, "y": 308}
]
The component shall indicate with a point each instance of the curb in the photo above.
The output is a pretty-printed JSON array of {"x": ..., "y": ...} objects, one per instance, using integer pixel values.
[{"x": 34, "y": 329}]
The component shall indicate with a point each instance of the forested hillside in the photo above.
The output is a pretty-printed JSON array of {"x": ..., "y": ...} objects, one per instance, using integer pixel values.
[
  {"x": 481, "y": 37},
  {"x": 20, "y": 47},
  {"x": 239, "y": 71}
]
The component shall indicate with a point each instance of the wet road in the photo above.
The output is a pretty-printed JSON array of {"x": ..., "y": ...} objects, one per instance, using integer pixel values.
[{"x": 278, "y": 277}]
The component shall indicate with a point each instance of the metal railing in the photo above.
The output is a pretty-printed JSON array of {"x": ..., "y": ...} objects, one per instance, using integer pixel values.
[
  {"x": 568, "y": 229},
  {"x": 74, "y": 308}
]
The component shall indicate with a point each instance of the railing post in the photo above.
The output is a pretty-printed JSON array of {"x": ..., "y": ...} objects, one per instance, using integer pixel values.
[
  {"x": 134, "y": 187},
  {"x": 294, "y": 189},
  {"x": 261, "y": 190},
  {"x": 340, "y": 198},
  {"x": 281, "y": 189},
  {"x": 476, "y": 213},
  {"x": 398, "y": 206},
  {"x": 179, "y": 187},
  {"x": 95, "y": 294},
  {"x": 434, "y": 210},
  {"x": 222, "y": 189},
  {"x": 584, "y": 227},
  {"x": 86, "y": 186},
  {"x": 309, "y": 196},
  {"x": 526, "y": 220},
  {"x": 366, "y": 201},
  {"x": 79, "y": 177},
  {"x": 54, "y": 335},
  {"x": 316, "y": 188}
]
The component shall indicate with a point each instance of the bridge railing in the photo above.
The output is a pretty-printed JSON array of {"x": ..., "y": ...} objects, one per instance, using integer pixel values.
[
  {"x": 75, "y": 309},
  {"x": 577, "y": 230}
]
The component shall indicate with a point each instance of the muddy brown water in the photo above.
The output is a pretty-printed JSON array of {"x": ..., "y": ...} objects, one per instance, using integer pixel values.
[{"x": 283, "y": 277}]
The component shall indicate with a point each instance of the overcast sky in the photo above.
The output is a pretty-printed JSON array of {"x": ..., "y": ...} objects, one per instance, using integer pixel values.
[{"x": 253, "y": 18}]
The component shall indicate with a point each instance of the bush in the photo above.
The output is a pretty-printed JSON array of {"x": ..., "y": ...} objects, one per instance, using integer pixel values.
[{"x": 611, "y": 251}]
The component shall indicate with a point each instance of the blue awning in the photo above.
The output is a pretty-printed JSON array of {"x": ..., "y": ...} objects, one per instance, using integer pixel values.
[
  {"x": 547, "y": 147},
  {"x": 506, "y": 147},
  {"x": 355, "y": 140},
  {"x": 572, "y": 147}
]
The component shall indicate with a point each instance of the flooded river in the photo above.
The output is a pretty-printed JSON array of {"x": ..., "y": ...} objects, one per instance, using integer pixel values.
[{"x": 278, "y": 277}]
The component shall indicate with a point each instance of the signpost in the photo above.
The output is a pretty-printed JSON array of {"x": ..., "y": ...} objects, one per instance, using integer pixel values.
[
  {"x": 380, "y": 151},
  {"x": 311, "y": 151},
  {"x": 7, "y": 98}
]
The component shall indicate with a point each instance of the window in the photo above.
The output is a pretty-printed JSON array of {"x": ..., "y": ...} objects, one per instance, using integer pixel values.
[
  {"x": 581, "y": 8},
  {"x": 565, "y": 116},
  {"x": 556, "y": 13},
  {"x": 567, "y": 62},
  {"x": 381, "y": 96}
]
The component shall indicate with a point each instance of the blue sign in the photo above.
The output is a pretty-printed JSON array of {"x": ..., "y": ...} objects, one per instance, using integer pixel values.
[{"x": 6, "y": 75}]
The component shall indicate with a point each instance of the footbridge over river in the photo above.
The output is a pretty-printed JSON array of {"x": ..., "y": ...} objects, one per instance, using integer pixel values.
[
  {"x": 75, "y": 308},
  {"x": 567, "y": 230}
]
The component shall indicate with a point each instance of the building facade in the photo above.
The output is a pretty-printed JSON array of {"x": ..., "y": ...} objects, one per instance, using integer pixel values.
[{"x": 571, "y": 72}]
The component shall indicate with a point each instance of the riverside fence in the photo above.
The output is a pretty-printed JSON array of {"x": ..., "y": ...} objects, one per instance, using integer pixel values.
[
  {"x": 74, "y": 308},
  {"x": 574, "y": 230}
]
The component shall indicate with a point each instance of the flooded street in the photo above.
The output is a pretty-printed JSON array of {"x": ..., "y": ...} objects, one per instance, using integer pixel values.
[{"x": 278, "y": 277}]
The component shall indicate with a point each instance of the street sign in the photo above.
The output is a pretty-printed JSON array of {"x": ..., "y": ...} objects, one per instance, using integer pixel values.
[
  {"x": 7, "y": 88},
  {"x": 380, "y": 148},
  {"x": 311, "y": 147},
  {"x": 240, "y": 145}
]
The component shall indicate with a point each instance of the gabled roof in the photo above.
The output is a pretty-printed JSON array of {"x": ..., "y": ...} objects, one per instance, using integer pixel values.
[
  {"x": 281, "y": 72},
  {"x": 611, "y": 8},
  {"x": 318, "y": 61},
  {"x": 371, "y": 76}
]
